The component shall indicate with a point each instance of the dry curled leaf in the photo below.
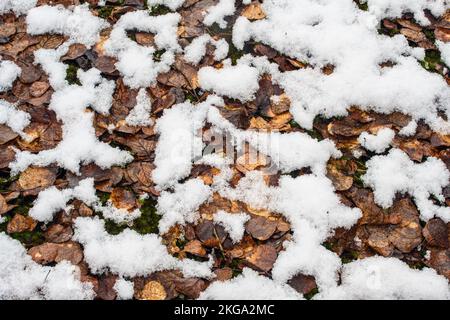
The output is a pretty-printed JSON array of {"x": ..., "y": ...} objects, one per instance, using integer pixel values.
[{"x": 153, "y": 290}]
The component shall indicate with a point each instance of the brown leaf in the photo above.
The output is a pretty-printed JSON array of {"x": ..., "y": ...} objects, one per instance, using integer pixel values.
[
  {"x": 38, "y": 88},
  {"x": 251, "y": 161},
  {"x": 106, "y": 64},
  {"x": 254, "y": 11},
  {"x": 209, "y": 234},
  {"x": 153, "y": 290},
  {"x": 340, "y": 181},
  {"x": 364, "y": 200},
  {"x": 281, "y": 104},
  {"x": 261, "y": 228},
  {"x": 20, "y": 223},
  {"x": 436, "y": 233},
  {"x": 76, "y": 50},
  {"x": 34, "y": 179},
  {"x": 345, "y": 127},
  {"x": 440, "y": 260},
  {"x": 223, "y": 274},
  {"x": 7, "y": 155},
  {"x": 379, "y": 240},
  {"x": 440, "y": 140},
  {"x": 409, "y": 24},
  {"x": 195, "y": 247},
  {"x": 263, "y": 257},
  {"x": 7, "y": 30},
  {"x": 408, "y": 233},
  {"x": 142, "y": 148},
  {"x": 6, "y": 134},
  {"x": 415, "y": 36},
  {"x": 442, "y": 34},
  {"x": 56, "y": 252},
  {"x": 123, "y": 199},
  {"x": 105, "y": 289},
  {"x": 190, "y": 287},
  {"x": 3, "y": 205},
  {"x": 58, "y": 233},
  {"x": 302, "y": 283}
]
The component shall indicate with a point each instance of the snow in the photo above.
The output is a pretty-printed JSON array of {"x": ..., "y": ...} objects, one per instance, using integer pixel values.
[
  {"x": 394, "y": 9},
  {"x": 445, "y": 51},
  {"x": 136, "y": 63},
  {"x": 409, "y": 129},
  {"x": 19, "y": 7},
  {"x": 129, "y": 253},
  {"x": 395, "y": 172},
  {"x": 312, "y": 219},
  {"x": 377, "y": 142},
  {"x": 14, "y": 118},
  {"x": 309, "y": 202},
  {"x": 9, "y": 71},
  {"x": 172, "y": 4},
  {"x": 382, "y": 278},
  {"x": 22, "y": 278},
  {"x": 140, "y": 114},
  {"x": 118, "y": 215},
  {"x": 196, "y": 50},
  {"x": 78, "y": 24},
  {"x": 249, "y": 286},
  {"x": 179, "y": 141},
  {"x": 181, "y": 205},
  {"x": 217, "y": 13},
  {"x": 238, "y": 82},
  {"x": 52, "y": 200},
  {"x": 349, "y": 41},
  {"x": 124, "y": 289},
  {"x": 69, "y": 104},
  {"x": 233, "y": 223}
]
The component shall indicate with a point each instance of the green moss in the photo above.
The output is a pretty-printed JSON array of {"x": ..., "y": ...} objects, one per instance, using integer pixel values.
[
  {"x": 159, "y": 10},
  {"x": 362, "y": 5},
  {"x": 5, "y": 182},
  {"x": 146, "y": 223},
  {"x": 431, "y": 60},
  {"x": 29, "y": 238},
  {"x": 311, "y": 294},
  {"x": 103, "y": 196},
  {"x": 71, "y": 74},
  {"x": 360, "y": 171},
  {"x": 105, "y": 12},
  {"x": 349, "y": 256},
  {"x": 234, "y": 265},
  {"x": 429, "y": 34},
  {"x": 157, "y": 54},
  {"x": 149, "y": 219}
]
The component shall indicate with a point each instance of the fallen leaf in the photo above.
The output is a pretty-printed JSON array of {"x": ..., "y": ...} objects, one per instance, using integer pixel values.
[
  {"x": 436, "y": 233},
  {"x": 302, "y": 283},
  {"x": 123, "y": 199},
  {"x": 153, "y": 290},
  {"x": 254, "y": 11},
  {"x": 261, "y": 228},
  {"x": 58, "y": 233},
  {"x": 20, "y": 223},
  {"x": 263, "y": 257},
  {"x": 195, "y": 247},
  {"x": 57, "y": 252},
  {"x": 34, "y": 179}
]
